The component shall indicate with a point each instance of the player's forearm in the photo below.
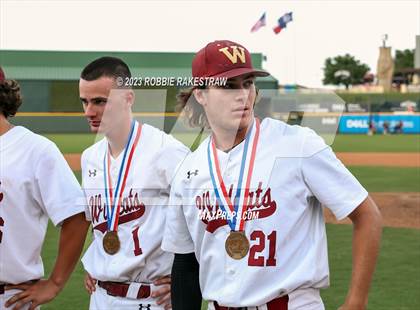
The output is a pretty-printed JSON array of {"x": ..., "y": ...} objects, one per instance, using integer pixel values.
[
  {"x": 367, "y": 232},
  {"x": 72, "y": 238}
]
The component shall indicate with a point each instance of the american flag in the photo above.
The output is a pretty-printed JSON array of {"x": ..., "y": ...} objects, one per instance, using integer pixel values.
[{"x": 260, "y": 23}]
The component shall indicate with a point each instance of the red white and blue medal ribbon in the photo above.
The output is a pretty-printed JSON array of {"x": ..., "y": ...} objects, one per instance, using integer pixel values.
[
  {"x": 234, "y": 210},
  {"x": 114, "y": 197}
]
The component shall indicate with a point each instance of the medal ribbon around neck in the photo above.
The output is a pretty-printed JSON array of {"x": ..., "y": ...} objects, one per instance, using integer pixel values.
[
  {"x": 240, "y": 202},
  {"x": 113, "y": 208}
]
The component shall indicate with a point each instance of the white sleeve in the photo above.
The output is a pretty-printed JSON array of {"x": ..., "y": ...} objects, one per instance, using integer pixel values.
[
  {"x": 85, "y": 203},
  {"x": 328, "y": 179},
  {"x": 59, "y": 189},
  {"x": 170, "y": 157},
  {"x": 176, "y": 237}
]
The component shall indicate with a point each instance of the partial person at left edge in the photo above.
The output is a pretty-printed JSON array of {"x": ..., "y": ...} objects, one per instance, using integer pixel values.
[{"x": 36, "y": 184}]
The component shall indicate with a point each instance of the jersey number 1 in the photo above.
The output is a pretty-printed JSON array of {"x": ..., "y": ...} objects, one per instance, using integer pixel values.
[
  {"x": 137, "y": 249},
  {"x": 253, "y": 259}
]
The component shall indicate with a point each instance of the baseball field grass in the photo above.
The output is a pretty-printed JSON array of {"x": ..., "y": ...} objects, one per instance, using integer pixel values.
[
  {"x": 76, "y": 143},
  {"x": 388, "y": 179},
  {"x": 396, "y": 283},
  {"x": 376, "y": 143}
]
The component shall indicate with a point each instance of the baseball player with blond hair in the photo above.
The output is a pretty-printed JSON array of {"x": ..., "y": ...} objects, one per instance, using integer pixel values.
[
  {"x": 126, "y": 179},
  {"x": 245, "y": 219},
  {"x": 36, "y": 184}
]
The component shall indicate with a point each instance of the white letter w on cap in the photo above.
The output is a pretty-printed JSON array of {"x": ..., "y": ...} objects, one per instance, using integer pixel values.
[{"x": 237, "y": 52}]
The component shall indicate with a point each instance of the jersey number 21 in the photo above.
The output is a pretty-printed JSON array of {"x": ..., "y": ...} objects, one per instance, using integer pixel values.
[{"x": 254, "y": 259}]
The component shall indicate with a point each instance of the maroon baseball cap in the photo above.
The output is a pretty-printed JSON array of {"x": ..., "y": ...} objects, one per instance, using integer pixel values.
[
  {"x": 2, "y": 76},
  {"x": 223, "y": 59}
]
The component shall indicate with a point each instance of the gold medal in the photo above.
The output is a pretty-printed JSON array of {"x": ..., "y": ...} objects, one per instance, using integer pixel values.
[
  {"x": 111, "y": 242},
  {"x": 237, "y": 245}
]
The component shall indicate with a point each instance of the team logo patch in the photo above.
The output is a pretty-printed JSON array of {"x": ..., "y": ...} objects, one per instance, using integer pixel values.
[
  {"x": 190, "y": 173},
  {"x": 92, "y": 173},
  {"x": 237, "y": 52}
]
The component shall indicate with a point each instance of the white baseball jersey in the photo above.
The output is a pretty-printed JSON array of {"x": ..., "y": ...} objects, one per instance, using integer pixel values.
[
  {"x": 143, "y": 210},
  {"x": 294, "y": 173},
  {"x": 35, "y": 184}
]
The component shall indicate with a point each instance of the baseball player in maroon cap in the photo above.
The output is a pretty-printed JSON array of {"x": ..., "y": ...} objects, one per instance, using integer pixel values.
[
  {"x": 36, "y": 184},
  {"x": 245, "y": 221}
]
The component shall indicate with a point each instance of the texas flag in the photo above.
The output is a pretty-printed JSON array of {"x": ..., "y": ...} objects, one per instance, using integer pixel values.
[
  {"x": 282, "y": 22},
  {"x": 260, "y": 23}
]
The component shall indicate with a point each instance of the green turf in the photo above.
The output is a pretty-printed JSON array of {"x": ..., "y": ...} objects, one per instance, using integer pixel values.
[
  {"x": 388, "y": 179},
  {"x": 76, "y": 143},
  {"x": 72, "y": 143},
  {"x": 396, "y": 284},
  {"x": 377, "y": 143},
  {"x": 78, "y": 175},
  {"x": 74, "y": 296}
]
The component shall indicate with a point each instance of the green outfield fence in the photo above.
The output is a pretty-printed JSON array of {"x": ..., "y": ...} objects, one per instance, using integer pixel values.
[{"x": 75, "y": 122}]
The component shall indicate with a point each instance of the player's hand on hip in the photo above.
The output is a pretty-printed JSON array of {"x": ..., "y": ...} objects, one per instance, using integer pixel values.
[
  {"x": 90, "y": 283},
  {"x": 35, "y": 294},
  {"x": 163, "y": 293}
]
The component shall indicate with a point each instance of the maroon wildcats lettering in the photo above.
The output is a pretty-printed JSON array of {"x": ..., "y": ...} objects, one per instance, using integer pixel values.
[
  {"x": 131, "y": 208},
  {"x": 260, "y": 205}
]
